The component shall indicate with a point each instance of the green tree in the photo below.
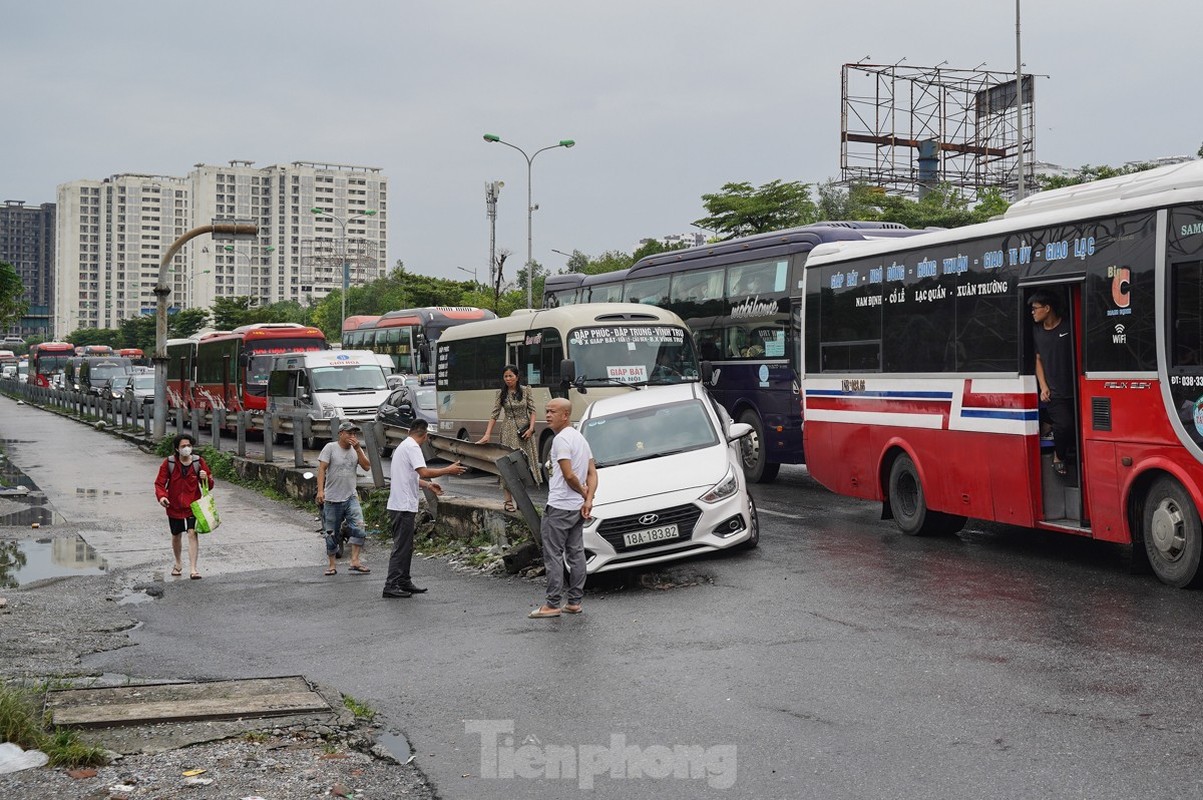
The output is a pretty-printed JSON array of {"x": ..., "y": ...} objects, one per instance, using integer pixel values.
[
  {"x": 1087, "y": 173},
  {"x": 185, "y": 323},
  {"x": 12, "y": 292},
  {"x": 83, "y": 337},
  {"x": 741, "y": 210}
]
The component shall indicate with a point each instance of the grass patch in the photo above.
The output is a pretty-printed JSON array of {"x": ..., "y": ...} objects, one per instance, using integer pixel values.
[
  {"x": 360, "y": 710},
  {"x": 255, "y": 737},
  {"x": 20, "y": 724}
]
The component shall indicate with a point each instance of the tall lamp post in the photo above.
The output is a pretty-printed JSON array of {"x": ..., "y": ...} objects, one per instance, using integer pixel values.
[
  {"x": 321, "y": 212},
  {"x": 530, "y": 208},
  {"x": 472, "y": 272}
]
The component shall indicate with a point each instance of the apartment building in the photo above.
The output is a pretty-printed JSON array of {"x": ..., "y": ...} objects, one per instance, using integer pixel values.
[
  {"x": 27, "y": 242},
  {"x": 110, "y": 232}
]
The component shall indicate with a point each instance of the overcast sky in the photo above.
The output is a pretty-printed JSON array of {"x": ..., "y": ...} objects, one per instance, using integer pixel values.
[{"x": 666, "y": 100}]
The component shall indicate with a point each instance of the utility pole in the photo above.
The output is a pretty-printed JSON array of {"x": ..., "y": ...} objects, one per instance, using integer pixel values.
[
  {"x": 492, "y": 190},
  {"x": 1019, "y": 193}
]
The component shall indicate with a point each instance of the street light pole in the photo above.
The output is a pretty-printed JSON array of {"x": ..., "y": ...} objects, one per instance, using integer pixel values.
[
  {"x": 250, "y": 266},
  {"x": 321, "y": 212},
  {"x": 530, "y": 208},
  {"x": 473, "y": 273}
]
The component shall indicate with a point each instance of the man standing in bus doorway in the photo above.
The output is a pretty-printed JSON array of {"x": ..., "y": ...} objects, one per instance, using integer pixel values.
[
  {"x": 569, "y": 504},
  {"x": 336, "y": 493},
  {"x": 1054, "y": 373},
  {"x": 408, "y": 472}
]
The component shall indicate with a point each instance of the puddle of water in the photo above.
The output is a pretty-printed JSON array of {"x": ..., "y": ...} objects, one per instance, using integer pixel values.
[
  {"x": 397, "y": 745},
  {"x": 133, "y": 598},
  {"x": 28, "y": 561},
  {"x": 28, "y": 505}
]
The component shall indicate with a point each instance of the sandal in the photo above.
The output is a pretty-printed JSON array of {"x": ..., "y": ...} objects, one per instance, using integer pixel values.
[
  {"x": 360, "y": 569},
  {"x": 196, "y": 576},
  {"x": 1060, "y": 468},
  {"x": 331, "y": 571},
  {"x": 177, "y": 571},
  {"x": 510, "y": 507}
]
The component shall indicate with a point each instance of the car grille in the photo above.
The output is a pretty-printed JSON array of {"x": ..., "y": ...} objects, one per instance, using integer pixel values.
[
  {"x": 369, "y": 411},
  {"x": 684, "y": 517}
]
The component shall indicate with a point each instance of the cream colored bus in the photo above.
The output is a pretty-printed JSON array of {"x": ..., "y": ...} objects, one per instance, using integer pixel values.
[{"x": 581, "y": 352}]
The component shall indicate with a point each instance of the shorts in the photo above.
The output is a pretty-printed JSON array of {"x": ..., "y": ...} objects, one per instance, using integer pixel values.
[{"x": 179, "y": 525}]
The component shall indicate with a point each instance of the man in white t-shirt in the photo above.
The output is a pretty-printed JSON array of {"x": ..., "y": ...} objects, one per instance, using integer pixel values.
[
  {"x": 569, "y": 504},
  {"x": 407, "y": 473}
]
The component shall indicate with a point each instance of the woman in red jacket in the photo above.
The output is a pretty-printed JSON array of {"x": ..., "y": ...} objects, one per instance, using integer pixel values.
[{"x": 178, "y": 484}]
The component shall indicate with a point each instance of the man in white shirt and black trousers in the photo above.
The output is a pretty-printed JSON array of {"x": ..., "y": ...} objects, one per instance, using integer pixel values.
[{"x": 409, "y": 475}]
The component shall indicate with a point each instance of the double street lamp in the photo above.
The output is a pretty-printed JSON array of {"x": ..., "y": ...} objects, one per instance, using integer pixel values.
[
  {"x": 530, "y": 208},
  {"x": 321, "y": 212}
]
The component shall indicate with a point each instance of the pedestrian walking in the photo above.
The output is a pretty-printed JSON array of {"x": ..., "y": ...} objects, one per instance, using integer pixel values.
[
  {"x": 569, "y": 504},
  {"x": 337, "y": 495},
  {"x": 409, "y": 475},
  {"x": 514, "y": 415},
  {"x": 177, "y": 485}
]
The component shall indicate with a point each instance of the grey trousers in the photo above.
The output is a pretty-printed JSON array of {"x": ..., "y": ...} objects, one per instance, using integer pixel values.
[{"x": 563, "y": 541}]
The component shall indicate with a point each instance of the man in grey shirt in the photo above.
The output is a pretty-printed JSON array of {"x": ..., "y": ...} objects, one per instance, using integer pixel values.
[{"x": 336, "y": 493}]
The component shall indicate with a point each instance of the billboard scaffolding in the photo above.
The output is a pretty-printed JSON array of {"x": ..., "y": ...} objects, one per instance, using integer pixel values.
[{"x": 911, "y": 128}]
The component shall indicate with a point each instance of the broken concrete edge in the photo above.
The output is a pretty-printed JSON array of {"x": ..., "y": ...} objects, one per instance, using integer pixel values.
[{"x": 461, "y": 518}]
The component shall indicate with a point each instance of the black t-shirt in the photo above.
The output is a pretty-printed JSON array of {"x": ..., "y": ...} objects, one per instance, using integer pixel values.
[{"x": 1055, "y": 348}]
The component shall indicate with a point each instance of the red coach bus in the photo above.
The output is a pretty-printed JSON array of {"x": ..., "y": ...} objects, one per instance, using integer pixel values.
[
  {"x": 135, "y": 355},
  {"x": 232, "y": 368},
  {"x": 408, "y": 336},
  {"x": 48, "y": 359},
  {"x": 919, "y": 387}
]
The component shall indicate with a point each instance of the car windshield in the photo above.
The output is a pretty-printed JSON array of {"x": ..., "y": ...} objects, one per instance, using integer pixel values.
[
  {"x": 106, "y": 371},
  {"x": 362, "y": 378},
  {"x": 643, "y": 354},
  {"x": 143, "y": 381},
  {"x": 426, "y": 398},
  {"x": 645, "y": 433}
]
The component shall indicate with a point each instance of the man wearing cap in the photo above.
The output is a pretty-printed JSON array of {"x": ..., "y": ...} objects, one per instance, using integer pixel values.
[{"x": 336, "y": 482}]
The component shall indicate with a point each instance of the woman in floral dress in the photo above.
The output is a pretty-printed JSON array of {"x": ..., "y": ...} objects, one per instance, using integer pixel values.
[{"x": 514, "y": 410}]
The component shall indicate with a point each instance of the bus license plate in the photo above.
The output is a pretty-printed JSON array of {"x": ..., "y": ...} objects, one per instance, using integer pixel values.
[{"x": 650, "y": 535}]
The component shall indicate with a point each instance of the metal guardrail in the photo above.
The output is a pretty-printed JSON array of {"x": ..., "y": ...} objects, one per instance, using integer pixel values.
[{"x": 206, "y": 426}]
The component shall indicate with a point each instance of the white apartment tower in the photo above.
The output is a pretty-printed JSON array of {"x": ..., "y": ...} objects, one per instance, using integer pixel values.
[
  {"x": 110, "y": 238},
  {"x": 299, "y": 254}
]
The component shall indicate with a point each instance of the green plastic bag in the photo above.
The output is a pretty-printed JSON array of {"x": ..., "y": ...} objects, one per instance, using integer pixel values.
[{"x": 205, "y": 511}]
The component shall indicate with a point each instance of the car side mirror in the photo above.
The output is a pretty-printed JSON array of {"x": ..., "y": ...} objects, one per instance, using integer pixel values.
[
  {"x": 738, "y": 430},
  {"x": 305, "y": 398},
  {"x": 707, "y": 372}
]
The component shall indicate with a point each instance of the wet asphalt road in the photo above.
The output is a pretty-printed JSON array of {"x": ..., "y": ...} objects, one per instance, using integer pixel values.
[{"x": 839, "y": 660}]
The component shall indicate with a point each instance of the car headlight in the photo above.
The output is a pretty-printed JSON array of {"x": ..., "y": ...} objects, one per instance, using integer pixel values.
[{"x": 728, "y": 486}]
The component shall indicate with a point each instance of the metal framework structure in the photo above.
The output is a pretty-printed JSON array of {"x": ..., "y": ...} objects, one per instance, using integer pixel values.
[
  {"x": 911, "y": 128},
  {"x": 322, "y": 264}
]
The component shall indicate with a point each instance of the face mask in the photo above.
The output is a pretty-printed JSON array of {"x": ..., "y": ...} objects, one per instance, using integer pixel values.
[{"x": 185, "y": 451}]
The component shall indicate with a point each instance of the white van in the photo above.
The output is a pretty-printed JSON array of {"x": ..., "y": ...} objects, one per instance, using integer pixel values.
[
  {"x": 669, "y": 478},
  {"x": 325, "y": 384}
]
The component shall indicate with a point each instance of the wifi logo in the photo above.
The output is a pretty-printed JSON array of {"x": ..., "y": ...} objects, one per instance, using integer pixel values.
[{"x": 1119, "y": 337}]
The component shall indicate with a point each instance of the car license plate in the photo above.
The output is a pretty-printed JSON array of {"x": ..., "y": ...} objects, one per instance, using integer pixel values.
[{"x": 650, "y": 535}]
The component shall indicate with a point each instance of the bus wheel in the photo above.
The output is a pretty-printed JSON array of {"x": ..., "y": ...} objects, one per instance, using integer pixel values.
[
  {"x": 1171, "y": 530},
  {"x": 908, "y": 505},
  {"x": 755, "y": 458}
]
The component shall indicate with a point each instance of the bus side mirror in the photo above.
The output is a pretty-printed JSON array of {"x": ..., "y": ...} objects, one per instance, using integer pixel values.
[
  {"x": 567, "y": 372},
  {"x": 707, "y": 372},
  {"x": 424, "y": 352}
]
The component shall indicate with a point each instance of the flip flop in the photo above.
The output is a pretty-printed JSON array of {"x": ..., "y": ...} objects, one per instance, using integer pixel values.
[
  {"x": 361, "y": 569},
  {"x": 572, "y": 608},
  {"x": 196, "y": 576},
  {"x": 510, "y": 507},
  {"x": 177, "y": 571},
  {"x": 331, "y": 571},
  {"x": 539, "y": 613}
]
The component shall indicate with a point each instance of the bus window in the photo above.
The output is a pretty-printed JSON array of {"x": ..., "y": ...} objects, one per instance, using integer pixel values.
[
  {"x": 1187, "y": 297},
  {"x": 761, "y": 278},
  {"x": 650, "y": 291},
  {"x": 606, "y": 294},
  {"x": 697, "y": 286}
]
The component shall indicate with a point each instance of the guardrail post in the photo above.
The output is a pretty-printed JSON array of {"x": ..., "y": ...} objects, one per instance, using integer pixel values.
[
  {"x": 179, "y": 420},
  {"x": 268, "y": 438},
  {"x": 219, "y": 422},
  {"x": 195, "y": 425},
  {"x": 240, "y": 434},
  {"x": 301, "y": 430},
  {"x": 516, "y": 475},
  {"x": 374, "y": 457},
  {"x": 148, "y": 412}
]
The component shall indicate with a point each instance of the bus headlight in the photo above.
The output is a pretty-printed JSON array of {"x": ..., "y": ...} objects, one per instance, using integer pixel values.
[{"x": 728, "y": 486}]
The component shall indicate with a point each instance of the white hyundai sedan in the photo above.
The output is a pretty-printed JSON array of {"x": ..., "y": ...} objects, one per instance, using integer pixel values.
[{"x": 670, "y": 484}]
